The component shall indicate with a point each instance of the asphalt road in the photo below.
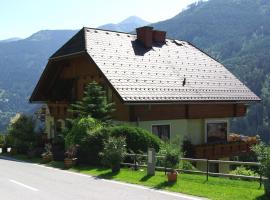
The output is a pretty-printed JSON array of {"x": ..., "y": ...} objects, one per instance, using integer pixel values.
[{"x": 26, "y": 181}]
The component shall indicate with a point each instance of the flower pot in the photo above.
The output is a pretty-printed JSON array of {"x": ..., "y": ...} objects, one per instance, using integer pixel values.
[
  {"x": 70, "y": 162},
  {"x": 47, "y": 158},
  {"x": 172, "y": 176}
]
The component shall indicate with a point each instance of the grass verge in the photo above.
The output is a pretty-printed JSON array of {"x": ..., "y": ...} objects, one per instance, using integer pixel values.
[{"x": 215, "y": 188}]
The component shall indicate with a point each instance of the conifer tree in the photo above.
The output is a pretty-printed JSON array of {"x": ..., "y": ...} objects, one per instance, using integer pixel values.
[{"x": 93, "y": 104}]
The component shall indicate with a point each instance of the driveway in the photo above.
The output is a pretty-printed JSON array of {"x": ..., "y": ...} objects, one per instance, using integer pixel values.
[{"x": 21, "y": 180}]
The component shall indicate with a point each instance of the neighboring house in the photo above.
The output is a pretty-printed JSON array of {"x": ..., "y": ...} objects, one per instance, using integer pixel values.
[{"x": 166, "y": 86}]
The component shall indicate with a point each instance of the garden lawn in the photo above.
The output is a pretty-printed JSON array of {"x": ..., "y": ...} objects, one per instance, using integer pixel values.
[{"x": 215, "y": 188}]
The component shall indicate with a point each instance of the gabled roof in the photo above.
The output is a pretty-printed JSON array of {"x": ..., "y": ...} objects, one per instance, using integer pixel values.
[{"x": 176, "y": 71}]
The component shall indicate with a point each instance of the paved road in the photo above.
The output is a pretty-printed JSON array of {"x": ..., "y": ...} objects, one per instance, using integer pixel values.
[{"x": 20, "y": 180}]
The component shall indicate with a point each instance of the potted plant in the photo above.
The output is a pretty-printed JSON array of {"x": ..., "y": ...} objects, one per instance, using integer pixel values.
[
  {"x": 47, "y": 156},
  {"x": 70, "y": 156},
  {"x": 171, "y": 159},
  {"x": 114, "y": 152}
]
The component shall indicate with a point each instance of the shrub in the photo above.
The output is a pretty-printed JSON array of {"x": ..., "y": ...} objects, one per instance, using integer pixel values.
[
  {"x": 91, "y": 145},
  {"x": 188, "y": 149},
  {"x": 243, "y": 171},
  {"x": 80, "y": 129},
  {"x": 114, "y": 152},
  {"x": 172, "y": 156},
  {"x": 263, "y": 153},
  {"x": 21, "y": 129},
  {"x": 186, "y": 165},
  {"x": 137, "y": 139},
  {"x": 2, "y": 140}
]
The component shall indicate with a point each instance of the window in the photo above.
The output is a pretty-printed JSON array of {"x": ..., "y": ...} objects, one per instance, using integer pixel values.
[
  {"x": 162, "y": 131},
  {"x": 216, "y": 131}
]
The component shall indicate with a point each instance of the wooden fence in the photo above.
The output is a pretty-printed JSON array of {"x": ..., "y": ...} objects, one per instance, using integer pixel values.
[{"x": 136, "y": 157}]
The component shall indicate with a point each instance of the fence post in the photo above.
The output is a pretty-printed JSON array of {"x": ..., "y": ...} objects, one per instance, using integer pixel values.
[
  {"x": 151, "y": 162},
  {"x": 207, "y": 169},
  {"x": 135, "y": 162},
  {"x": 260, "y": 179}
]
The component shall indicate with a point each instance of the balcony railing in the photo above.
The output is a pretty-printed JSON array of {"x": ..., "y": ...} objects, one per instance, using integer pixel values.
[{"x": 215, "y": 151}]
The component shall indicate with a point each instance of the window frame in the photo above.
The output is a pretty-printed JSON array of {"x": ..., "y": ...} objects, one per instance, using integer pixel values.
[
  {"x": 162, "y": 124},
  {"x": 215, "y": 121}
]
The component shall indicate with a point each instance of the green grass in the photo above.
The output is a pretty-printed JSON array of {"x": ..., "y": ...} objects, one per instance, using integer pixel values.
[{"x": 215, "y": 188}]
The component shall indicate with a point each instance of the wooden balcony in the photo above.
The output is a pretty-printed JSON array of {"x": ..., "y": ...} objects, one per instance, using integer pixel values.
[{"x": 216, "y": 151}]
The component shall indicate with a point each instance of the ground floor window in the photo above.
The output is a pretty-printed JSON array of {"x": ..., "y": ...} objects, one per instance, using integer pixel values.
[
  {"x": 162, "y": 131},
  {"x": 216, "y": 131}
]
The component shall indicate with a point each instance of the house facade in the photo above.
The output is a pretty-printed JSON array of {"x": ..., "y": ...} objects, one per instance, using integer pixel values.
[{"x": 169, "y": 87}]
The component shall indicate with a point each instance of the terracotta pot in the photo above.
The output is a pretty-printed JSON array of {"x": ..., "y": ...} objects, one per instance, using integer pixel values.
[
  {"x": 70, "y": 162},
  {"x": 172, "y": 176}
]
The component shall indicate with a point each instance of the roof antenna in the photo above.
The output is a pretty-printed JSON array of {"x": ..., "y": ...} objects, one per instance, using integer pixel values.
[{"x": 184, "y": 82}]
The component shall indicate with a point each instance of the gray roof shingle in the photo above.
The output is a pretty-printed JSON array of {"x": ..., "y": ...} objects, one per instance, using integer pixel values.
[{"x": 173, "y": 72}]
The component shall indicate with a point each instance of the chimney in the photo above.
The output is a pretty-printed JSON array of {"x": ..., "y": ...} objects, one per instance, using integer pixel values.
[
  {"x": 159, "y": 36},
  {"x": 145, "y": 35}
]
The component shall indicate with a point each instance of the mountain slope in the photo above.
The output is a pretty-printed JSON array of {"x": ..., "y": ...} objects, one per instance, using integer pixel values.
[
  {"x": 237, "y": 33},
  {"x": 127, "y": 25},
  {"x": 21, "y": 64}
]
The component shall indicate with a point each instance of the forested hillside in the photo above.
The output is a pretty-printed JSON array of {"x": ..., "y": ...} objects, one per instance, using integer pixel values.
[
  {"x": 21, "y": 64},
  {"x": 237, "y": 33}
]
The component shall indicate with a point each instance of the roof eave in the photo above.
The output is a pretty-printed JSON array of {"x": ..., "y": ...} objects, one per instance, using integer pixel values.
[{"x": 190, "y": 102}]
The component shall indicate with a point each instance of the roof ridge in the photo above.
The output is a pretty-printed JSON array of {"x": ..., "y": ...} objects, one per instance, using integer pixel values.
[{"x": 109, "y": 30}]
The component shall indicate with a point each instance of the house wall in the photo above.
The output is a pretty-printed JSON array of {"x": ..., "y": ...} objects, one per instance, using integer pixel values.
[
  {"x": 180, "y": 129},
  {"x": 191, "y": 129}
]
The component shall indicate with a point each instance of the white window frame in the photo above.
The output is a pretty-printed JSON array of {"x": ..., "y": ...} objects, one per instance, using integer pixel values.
[
  {"x": 162, "y": 124},
  {"x": 213, "y": 121}
]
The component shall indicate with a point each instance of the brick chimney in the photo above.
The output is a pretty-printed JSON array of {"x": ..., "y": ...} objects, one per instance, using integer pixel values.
[
  {"x": 145, "y": 35},
  {"x": 159, "y": 36}
]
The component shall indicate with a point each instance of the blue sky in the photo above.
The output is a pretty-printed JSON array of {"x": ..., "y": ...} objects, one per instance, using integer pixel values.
[{"x": 21, "y": 18}]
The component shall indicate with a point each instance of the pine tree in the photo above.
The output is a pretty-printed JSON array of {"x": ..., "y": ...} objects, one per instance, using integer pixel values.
[{"x": 93, "y": 104}]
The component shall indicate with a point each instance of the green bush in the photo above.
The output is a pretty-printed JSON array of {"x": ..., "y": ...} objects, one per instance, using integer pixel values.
[
  {"x": 172, "y": 157},
  {"x": 2, "y": 140},
  {"x": 137, "y": 139},
  {"x": 86, "y": 133},
  {"x": 91, "y": 145},
  {"x": 243, "y": 171},
  {"x": 114, "y": 152},
  {"x": 80, "y": 129},
  {"x": 263, "y": 153},
  {"x": 186, "y": 165},
  {"x": 21, "y": 130}
]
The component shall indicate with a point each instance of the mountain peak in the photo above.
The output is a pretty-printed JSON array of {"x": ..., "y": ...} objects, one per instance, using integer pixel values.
[
  {"x": 127, "y": 25},
  {"x": 134, "y": 19}
]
